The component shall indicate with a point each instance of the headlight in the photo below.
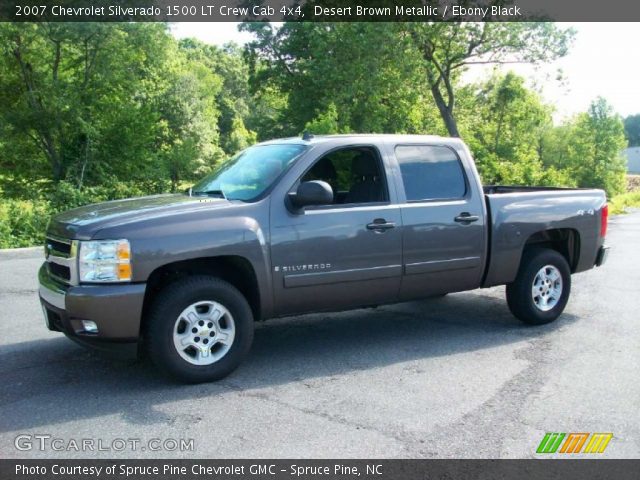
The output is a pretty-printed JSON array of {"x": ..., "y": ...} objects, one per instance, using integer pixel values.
[{"x": 105, "y": 261}]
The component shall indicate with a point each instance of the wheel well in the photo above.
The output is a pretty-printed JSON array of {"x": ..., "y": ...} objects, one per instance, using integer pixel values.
[
  {"x": 236, "y": 270},
  {"x": 565, "y": 241}
]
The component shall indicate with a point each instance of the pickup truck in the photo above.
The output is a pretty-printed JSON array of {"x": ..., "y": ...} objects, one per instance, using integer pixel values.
[{"x": 309, "y": 224}]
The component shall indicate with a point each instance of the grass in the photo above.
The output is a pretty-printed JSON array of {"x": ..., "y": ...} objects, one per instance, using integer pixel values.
[{"x": 620, "y": 203}]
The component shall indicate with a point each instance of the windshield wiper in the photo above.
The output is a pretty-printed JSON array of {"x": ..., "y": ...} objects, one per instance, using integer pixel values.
[{"x": 218, "y": 193}]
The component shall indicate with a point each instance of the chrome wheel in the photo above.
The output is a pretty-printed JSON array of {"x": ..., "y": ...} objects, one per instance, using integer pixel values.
[
  {"x": 547, "y": 288},
  {"x": 204, "y": 332}
]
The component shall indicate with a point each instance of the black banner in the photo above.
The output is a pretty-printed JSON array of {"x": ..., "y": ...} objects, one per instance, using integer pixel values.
[
  {"x": 318, "y": 10},
  {"x": 569, "y": 469}
]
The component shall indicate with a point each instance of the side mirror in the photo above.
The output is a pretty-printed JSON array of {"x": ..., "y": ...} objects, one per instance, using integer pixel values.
[{"x": 314, "y": 192}]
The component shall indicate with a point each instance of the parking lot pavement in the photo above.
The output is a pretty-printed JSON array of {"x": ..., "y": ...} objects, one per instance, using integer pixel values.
[{"x": 450, "y": 377}]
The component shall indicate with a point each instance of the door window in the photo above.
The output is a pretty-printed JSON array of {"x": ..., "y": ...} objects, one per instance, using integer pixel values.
[
  {"x": 430, "y": 173},
  {"x": 355, "y": 175}
]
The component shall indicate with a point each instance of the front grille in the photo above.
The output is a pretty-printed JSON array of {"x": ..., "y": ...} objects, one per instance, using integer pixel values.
[
  {"x": 60, "y": 254},
  {"x": 58, "y": 247},
  {"x": 60, "y": 271}
]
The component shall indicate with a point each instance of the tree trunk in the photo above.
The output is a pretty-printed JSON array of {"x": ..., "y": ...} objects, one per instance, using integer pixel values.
[
  {"x": 84, "y": 163},
  {"x": 44, "y": 138},
  {"x": 50, "y": 151},
  {"x": 446, "y": 111},
  {"x": 496, "y": 140},
  {"x": 58, "y": 171}
]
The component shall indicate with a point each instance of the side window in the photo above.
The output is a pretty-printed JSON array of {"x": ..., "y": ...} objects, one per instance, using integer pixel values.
[
  {"x": 354, "y": 173},
  {"x": 430, "y": 172}
]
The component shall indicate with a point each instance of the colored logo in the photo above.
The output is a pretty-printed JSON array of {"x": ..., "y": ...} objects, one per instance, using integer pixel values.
[{"x": 573, "y": 442}]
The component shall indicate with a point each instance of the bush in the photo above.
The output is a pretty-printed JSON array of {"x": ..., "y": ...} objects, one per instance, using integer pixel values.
[
  {"x": 620, "y": 203},
  {"x": 528, "y": 171},
  {"x": 23, "y": 222}
]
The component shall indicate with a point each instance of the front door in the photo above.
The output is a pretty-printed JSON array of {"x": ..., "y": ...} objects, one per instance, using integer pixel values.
[{"x": 345, "y": 254}]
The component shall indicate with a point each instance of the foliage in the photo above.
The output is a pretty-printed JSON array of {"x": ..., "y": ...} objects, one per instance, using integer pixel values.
[
  {"x": 23, "y": 221},
  {"x": 620, "y": 203},
  {"x": 232, "y": 97},
  {"x": 87, "y": 101},
  {"x": 322, "y": 66},
  {"x": 504, "y": 124},
  {"x": 448, "y": 48},
  {"x": 632, "y": 129},
  {"x": 325, "y": 122},
  {"x": 74, "y": 91},
  {"x": 92, "y": 111},
  {"x": 589, "y": 149}
]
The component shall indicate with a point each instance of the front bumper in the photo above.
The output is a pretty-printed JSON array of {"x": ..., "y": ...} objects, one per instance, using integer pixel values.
[
  {"x": 601, "y": 257},
  {"x": 115, "y": 309}
]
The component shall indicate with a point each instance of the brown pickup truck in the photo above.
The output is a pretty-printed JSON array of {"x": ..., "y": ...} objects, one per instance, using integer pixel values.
[{"x": 304, "y": 225}]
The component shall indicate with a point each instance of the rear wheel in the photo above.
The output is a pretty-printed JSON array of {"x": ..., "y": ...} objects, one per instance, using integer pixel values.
[
  {"x": 199, "y": 329},
  {"x": 541, "y": 290}
]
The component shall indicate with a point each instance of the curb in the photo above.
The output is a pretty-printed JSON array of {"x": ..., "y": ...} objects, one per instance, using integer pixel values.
[{"x": 25, "y": 252}]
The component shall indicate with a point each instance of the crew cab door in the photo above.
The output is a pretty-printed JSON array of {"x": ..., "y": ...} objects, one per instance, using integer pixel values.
[
  {"x": 443, "y": 218},
  {"x": 344, "y": 254}
]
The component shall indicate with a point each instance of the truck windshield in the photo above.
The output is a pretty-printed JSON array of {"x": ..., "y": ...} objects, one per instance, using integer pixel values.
[{"x": 249, "y": 173}]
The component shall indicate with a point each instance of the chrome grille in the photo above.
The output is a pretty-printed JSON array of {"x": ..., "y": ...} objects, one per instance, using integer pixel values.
[
  {"x": 58, "y": 247},
  {"x": 60, "y": 254},
  {"x": 59, "y": 271}
]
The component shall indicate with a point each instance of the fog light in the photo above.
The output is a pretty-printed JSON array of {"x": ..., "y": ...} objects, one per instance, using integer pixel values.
[{"x": 89, "y": 326}]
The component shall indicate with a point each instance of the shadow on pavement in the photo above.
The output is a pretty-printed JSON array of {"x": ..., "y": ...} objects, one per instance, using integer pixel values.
[{"x": 53, "y": 381}]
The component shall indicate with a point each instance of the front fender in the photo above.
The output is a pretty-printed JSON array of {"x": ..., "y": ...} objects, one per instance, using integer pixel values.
[{"x": 159, "y": 242}]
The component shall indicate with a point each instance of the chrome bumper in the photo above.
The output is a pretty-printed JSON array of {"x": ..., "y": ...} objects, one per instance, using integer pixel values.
[
  {"x": 115, "y": 309},
  {"x": 50, "y": 291}
]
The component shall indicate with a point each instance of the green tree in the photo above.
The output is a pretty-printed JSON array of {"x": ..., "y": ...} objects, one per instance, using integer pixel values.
[
  {"x": 325, "y": 123},
  {"x": 94, "y": 102},
  {"x": 189, "y": 116},
  {"x": 504, "y": 123},
  {"x": 316, "y": 65},
  {"x": 234, "y": 99},
  {"x": 632, "y": 129},
  {"x": 66, "y": 86},
  {"x": 449, "y": 48},
  {"x": 589, "y": 148},
  {"x": 239, "y": 137}
]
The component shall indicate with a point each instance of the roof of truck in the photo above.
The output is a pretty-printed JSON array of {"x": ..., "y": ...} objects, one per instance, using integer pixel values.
[{"x": 318, "y": 139}]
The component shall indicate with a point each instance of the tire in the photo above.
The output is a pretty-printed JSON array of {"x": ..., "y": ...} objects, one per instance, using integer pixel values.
[
  {"x": 199, "y": 329},
  {"x": 536, "y": 297}
]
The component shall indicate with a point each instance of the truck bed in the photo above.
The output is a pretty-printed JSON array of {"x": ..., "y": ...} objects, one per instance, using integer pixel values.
[
  {"x": 498, "y": 189},
  {"x": 521, "y": 215}
]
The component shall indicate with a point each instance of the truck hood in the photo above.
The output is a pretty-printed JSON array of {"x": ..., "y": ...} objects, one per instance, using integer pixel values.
[{"x": 83, "y": 222}]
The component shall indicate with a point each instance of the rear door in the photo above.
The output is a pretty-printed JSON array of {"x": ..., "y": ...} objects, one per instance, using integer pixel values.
[
  {"x": 443, "y": 236},
  {"x": 344, "y": 254}
]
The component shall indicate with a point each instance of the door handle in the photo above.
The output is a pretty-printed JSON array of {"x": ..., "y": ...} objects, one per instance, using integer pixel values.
[
  {"x": 380, "y": 225},
  {"x": 466, "y": 217}
]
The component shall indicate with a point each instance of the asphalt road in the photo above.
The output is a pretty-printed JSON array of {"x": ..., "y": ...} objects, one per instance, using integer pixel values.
[{"x": 452, "y": 377}]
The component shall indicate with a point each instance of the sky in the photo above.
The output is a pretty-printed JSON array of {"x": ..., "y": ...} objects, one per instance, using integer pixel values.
[{"x": 603, "y": 61}]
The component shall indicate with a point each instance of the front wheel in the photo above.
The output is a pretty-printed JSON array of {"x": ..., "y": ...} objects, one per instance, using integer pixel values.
[
  {"x": 199, "y": 329},
  {"x": 541, "y": 289}
]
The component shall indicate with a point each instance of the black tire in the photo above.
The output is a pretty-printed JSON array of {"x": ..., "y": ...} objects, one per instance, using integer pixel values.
[
  {"x": 167, "y": 307},
  {"x": 519, "y": 293}
]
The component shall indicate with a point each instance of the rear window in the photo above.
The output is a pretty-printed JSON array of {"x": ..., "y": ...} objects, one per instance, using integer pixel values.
[{"x": 430, "y": 172}]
